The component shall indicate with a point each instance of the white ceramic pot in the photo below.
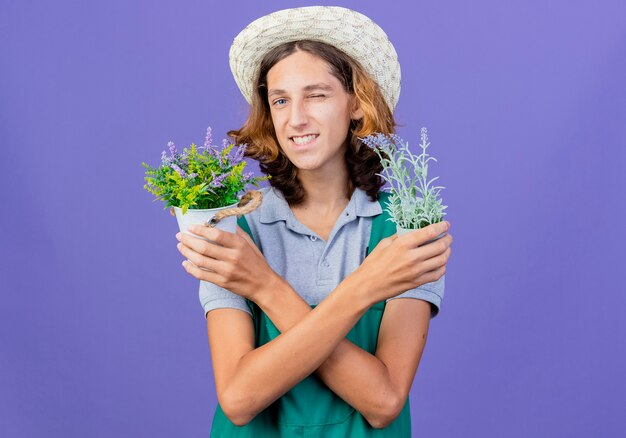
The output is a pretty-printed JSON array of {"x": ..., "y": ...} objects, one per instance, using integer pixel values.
[
  {"x": 402, "y": 231},
  {"x": 200, "y": 216}
]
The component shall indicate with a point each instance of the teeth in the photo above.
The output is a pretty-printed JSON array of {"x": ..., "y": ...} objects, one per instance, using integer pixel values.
[{"x": 303, "y": 140}]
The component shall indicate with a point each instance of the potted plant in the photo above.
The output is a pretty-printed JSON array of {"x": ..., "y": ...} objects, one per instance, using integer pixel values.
[
  {"x": 199, "y": 182},
  {"x": 407, "y": 175}
]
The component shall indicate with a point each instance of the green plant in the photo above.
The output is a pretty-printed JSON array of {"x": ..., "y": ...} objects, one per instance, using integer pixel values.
[
  {"x": 407, "y": 175},
  {"x": 200, "y": 179}
]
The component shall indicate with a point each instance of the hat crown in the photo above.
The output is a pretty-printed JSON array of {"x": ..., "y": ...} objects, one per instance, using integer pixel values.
[{"x": 348, "y": 30}]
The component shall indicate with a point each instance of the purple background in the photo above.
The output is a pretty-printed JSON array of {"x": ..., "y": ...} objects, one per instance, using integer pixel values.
[{"x": 102, "y": 333}]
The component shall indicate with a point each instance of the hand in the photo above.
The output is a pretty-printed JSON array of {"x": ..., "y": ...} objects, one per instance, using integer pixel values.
[
  {"x": 233, "y": 261},
  {"x": 398, "y": 264}
]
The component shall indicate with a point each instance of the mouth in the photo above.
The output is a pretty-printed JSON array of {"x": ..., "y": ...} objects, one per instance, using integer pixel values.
[{"x": 304, "y": 140}]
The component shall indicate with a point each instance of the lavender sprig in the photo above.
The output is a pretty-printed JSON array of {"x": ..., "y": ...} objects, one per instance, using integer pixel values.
[{"x": 407, "y": 175}]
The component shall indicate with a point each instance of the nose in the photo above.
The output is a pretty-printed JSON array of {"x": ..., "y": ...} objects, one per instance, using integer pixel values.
[{"x": 298, "y": 116}]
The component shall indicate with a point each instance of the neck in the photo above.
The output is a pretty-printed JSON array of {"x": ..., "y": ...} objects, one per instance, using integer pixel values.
[{"x": 327, "y": 192}]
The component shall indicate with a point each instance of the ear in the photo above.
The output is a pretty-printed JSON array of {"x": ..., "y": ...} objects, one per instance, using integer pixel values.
[{"x": 357, "y": 112}]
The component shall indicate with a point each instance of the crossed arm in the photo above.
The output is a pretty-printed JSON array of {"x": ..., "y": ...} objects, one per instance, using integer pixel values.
[{"x": 375, "y": 385}]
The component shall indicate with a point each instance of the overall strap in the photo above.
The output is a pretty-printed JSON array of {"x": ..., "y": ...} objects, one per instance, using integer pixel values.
[
  {"x": 382, "y": 224},
  {"x": 243, "y": 224}
]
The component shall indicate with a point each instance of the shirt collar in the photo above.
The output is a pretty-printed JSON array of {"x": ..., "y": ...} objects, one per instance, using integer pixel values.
[{"x": 276, "y": 208}]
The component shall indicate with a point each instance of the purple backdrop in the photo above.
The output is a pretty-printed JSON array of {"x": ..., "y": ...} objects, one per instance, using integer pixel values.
[{"x": 102, "y": 333}]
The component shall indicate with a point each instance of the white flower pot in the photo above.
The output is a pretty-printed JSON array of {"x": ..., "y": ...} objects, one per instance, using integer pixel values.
[
  {"x": 403, "y": 231},
  {"x": 200, "y": 216}
]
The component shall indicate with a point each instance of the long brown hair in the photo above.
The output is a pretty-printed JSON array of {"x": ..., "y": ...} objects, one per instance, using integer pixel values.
[{"x": 362, "y": 162}]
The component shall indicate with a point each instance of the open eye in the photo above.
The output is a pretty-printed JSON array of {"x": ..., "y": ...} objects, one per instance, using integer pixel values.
[{"x": 277, "y": 101}]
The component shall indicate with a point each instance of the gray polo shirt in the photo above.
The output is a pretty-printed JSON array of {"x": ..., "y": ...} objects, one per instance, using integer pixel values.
[{"x": 312, "y": 266}]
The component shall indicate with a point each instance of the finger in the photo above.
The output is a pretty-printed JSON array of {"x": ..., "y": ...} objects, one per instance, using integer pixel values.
[
  {"x": 204, "y": 247},
  {"x": 201, "y": 274},
  {"x": 216, "y": 235},
  {"x": 383, "y": 243},
  {"x": 434, "y": 249},
  {"x": 436, "y": 261},
  {"x": 432, "y": 276},
  {"x": 248, "y": 239},
  {"x": 172, "y": 211},
  {"x": 423, "y": 235},
  {"x": 199, "y": 259}
]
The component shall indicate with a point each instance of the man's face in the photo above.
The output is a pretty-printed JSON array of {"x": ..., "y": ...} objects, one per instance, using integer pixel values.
[{"x": 308, "y": 102}]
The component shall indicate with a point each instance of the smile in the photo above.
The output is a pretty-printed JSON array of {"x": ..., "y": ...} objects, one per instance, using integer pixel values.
[{"x": 305, "y": 140}]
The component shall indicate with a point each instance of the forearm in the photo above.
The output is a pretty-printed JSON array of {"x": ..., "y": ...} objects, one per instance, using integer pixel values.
[
  {"x": 355, "y": 375},
  {"x": 269, "y": 371}
]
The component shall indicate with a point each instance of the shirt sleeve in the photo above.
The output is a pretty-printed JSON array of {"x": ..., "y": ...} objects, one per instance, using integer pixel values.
[
  {"x": 431, "y": 292},
  {"x": 213, "y": 296}
]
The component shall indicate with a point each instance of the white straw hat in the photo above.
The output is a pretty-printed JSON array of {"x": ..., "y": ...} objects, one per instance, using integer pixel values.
[{"x": 345, "y": 29}]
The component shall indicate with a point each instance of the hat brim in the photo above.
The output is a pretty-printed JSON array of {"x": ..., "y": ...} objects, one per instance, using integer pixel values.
[{"x": 348, "y": 30}]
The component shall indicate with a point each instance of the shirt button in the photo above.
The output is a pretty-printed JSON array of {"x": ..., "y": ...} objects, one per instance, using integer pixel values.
[
  {"x": 325, "y": 264},
  {"x": 313, "y": 238}
]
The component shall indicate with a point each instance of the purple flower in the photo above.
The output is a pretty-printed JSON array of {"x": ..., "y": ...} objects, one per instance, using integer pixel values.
[
  {"x": 172, "y": 148},
  {"x": 239, "y": 154},
  {"x": 207, "y": 144},
  {"x": 180, "y": 171},
  {"x": 208, "y": 138},
  {"x": 164, "y": 159},
  {"x": 217, "y": 181},
  {"x": 184, "y": 158},
  {"x": 215, "y": 153}
]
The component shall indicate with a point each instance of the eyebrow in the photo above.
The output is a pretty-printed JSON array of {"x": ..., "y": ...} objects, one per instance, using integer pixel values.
[{"x": 320, "y": 86}]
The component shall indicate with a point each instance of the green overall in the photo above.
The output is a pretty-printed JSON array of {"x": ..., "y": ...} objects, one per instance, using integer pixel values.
[{"x": 311, "y": 409}]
